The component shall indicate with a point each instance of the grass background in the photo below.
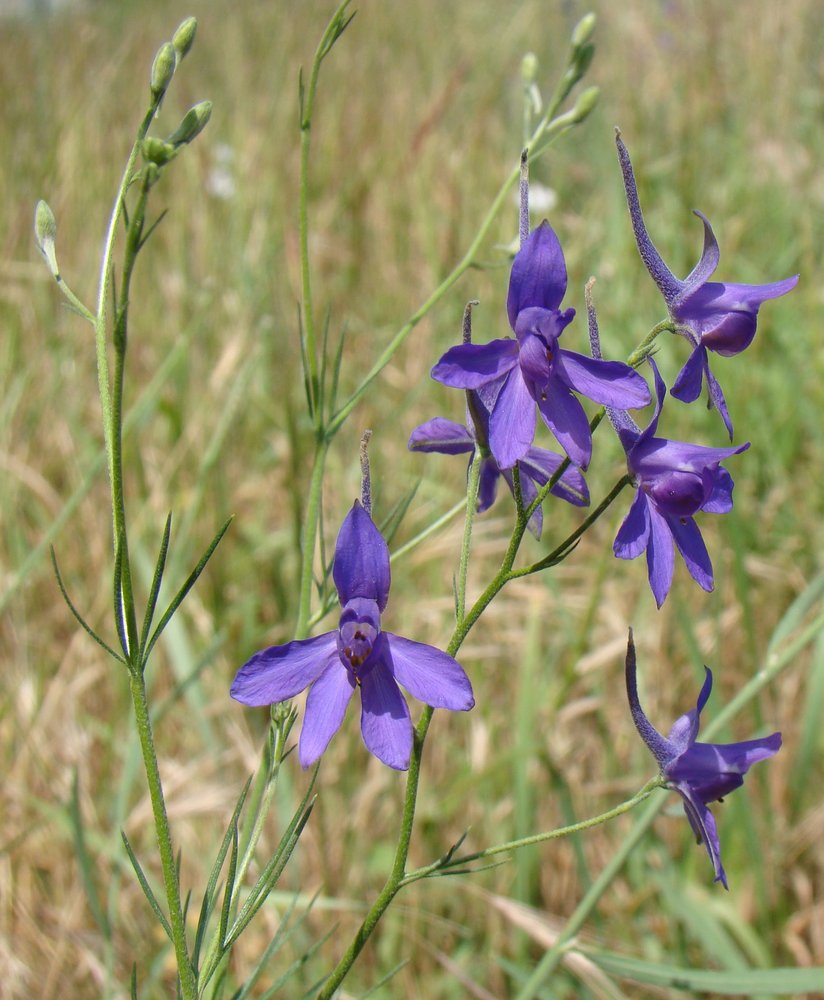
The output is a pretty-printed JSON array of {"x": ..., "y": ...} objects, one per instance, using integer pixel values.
[{"x": 419, "y": 115}]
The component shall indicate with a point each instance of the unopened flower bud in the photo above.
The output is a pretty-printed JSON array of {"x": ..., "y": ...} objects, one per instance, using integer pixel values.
[
  {"x": 194, "y": 121},
  {"x": 529, "y": 68},
  {"x": 583, "y": 31},
  {"x": 163, "y": 69},
  {"x": 157, "y": 151},
  {"x": 585, "y": 104},
  {"x": 45, "y": 233},
  {"x": 184, "y": 37}
]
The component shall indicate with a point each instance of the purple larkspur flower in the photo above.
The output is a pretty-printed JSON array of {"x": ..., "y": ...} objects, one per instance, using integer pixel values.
[
  {"x": 713, "y": 315},
  {"x": 536, "y": 467},
  {"x": 533, "y": 369},
  {"x": 358, "y": 654},
  {"x": 674, "y": 480},
  {"x": 699, "y": 772}
]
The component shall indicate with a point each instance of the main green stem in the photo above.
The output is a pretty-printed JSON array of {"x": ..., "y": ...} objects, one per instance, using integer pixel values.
[{"x": 171, "y": 881}]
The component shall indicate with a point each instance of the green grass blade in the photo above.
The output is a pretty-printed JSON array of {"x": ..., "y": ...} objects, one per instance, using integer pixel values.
[{"x": 782, "y": 982}]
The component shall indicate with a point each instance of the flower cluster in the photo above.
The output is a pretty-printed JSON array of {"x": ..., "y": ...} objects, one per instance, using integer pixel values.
[{"x": 507, "y": 383}]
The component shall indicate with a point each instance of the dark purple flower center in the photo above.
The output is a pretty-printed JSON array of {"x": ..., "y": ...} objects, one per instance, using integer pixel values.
[
  {"x": 359, "y": 634},
  {"x": 676, "y": 492}
]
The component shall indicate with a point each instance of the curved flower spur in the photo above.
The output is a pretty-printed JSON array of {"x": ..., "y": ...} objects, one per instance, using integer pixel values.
[
  {"x": 358, "y": 654},
  {"x": 713, "y": 315},
  {"x": 699, "y": 772}
]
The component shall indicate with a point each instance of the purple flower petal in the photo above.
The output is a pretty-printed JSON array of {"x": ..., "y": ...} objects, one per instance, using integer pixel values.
[
  {"x": 534, "y": 362},
  {"x": 691, "y": 546},
  {"x": 703, "y": 825},
  {"x": 660, "y": 556},
  {"x": 541, "y": 465},
  {"x": 724, "y": 315},
  {"x": 512, "y": 423},
  {"x": 441, "y": 435},
  {"x": 611, "y": 383},
  {"x": 634, "y": 534},
  {"x": 325, "y": 709},
  {"x": 685, "y": 728},
  {"x": 488, "y": 483},
  {"x": 361, "y": 564},
  {"x": 538, "y": 276},
  {"x": 687, "y": 384},
  {"x": 662, "y": 455},
  {"x": 565, "y": 417},
  {"x": 470, "y": 366},
  {"x": 717, "y": 399},
  {"x": 705, "y": 268},
  {"x": 720, "y": 499},
  {"x": 280, "y": 672},
  {"x": 385, "y": 722},
  {"x": 430, "y": 675}
]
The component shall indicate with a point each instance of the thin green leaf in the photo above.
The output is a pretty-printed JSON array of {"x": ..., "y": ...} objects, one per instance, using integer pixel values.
[
  {"x": 78, "y": 617},
  {"x": 785, "y": 982},
  {"x": 296, "y": 966},
  {"x": 810, "y": 742},
  {"x": 154, "y": 590},
  {"x": 133, "y": 985},
  {"x": 794, "y": 616},
  {"x": 84, "y": 861},
  {"x": 178, "y": 599},
  {"x": 272, "y": 872},
  {"x": 385, "y": 979},
  {"x": 144, "y": 885},
  {"x": 336, "y": 368},
  {"x": 304, "y": 364},
  {"x": 117, "y": 600},
  {"x": 281, "y": 935},
  {"x": 150, "y": 230},
  {"x": 228, "y": 890},
  {"x": 127, "y": 597},
  {"x": 392, "y": 521},
  {"x": 210, "y": 895}
]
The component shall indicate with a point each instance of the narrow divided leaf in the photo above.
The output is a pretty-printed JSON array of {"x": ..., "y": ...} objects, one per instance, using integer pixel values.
[
  {"x": 178, "y": 599},
  {"x": 154, "y": 591},
  {"x": 78, "y": 617},
  {"x": 147, "y": 889}
]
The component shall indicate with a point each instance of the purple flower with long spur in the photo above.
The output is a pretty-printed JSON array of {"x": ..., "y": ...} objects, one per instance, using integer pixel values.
[
  {"x": 533, "y": 369},
  {"x": 358, "y": 654},
  {"x": 674, "y": 481},
  {"x": 536, "y": 468},
  {"x": 699, "y": 772},
  {"x": 712, "y": 315}
]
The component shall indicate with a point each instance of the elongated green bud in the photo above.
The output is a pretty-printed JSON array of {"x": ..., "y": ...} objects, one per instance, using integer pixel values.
[
  {"x": 583, "y": 31},
  {"x": 45, "y": 233},
  {"x": 586, "y": 103},
  {"x": 184, "y": 37},
  {"x": 194, "y": 121},
  {"x": 163, "y": 69}
]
